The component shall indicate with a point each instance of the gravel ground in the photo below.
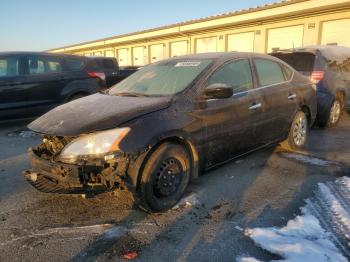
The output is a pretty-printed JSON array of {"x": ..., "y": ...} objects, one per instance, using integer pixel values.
[{"x": 264, "y": 189}]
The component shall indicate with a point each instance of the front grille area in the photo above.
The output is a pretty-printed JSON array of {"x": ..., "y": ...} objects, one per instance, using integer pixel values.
[{"x": 51, "y": 146}]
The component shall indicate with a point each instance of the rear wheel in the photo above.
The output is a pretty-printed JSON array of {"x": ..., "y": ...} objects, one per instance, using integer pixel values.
[
  {"x": 334, "y": 113},
  {"x": 165, "y": 177},
  {"x": 298, "y": 132}
]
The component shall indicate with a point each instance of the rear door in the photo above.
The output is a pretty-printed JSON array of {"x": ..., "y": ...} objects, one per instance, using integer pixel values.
[
  {"x": 280, "y": 96},
  {"x": 44, "y": 82},
  {"x": 230, "y": 123},
  {"x": 13, "y": 95}
]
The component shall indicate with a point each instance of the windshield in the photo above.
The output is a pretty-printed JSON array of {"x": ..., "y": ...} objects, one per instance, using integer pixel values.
[{"x": 161, "y": 79}]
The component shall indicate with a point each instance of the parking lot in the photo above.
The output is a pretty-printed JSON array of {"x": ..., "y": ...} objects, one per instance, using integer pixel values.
[{"x": 266, "y": 188}]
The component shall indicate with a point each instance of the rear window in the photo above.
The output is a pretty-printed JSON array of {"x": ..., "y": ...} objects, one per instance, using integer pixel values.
[
  {"x": 302, "y": 62},
  {"x": 74, "y": 63},
  {"x": 108, "y": 64},
  {"x": 9, "y": 66}
]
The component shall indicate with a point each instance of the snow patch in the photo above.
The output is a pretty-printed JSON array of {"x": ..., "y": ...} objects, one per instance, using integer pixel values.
[
  {"x": 188, "y": 201},
  {"x": 247, "y": 259},
  {"x": 320, "y": 233}
]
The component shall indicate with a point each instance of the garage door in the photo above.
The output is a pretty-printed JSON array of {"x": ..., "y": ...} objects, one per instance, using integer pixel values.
[
  {"x": 109, "y": 53},
  {"x": 204, "y": 45},
  {"x": 336, "y": 31},
  {"x": 138, "y": 56},
  {"x": 242, "y": 42},
  {"x": 157, "y": 52},
  {"x": 285, "y": 37},
  {"x": 123, "y": 57},
  {"x": 99, "y": 53},
  {"x": 178, "y": 48}
]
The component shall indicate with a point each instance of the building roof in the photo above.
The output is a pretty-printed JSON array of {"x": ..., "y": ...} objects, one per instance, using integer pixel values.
[{"x": 204, "y": 19}]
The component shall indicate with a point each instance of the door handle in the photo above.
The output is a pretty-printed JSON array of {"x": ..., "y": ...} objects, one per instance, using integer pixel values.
[
  {"x": 292, "y": 96},
  {"x": 255, "y": 106}
]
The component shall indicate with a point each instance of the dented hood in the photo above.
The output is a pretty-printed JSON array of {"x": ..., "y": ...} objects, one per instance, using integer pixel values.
[{"x": 94, "y": 113}]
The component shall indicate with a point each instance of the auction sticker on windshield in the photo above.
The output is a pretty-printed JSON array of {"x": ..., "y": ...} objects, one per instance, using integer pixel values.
[{"x": 180, "y": 64}]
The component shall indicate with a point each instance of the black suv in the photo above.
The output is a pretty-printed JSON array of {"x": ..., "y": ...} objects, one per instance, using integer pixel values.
[
  {"x": 114, "y": 74},
  {"x": 169, "y": 121},
  {"x": 32, "y": 83},
  {"x": 328, "y": 67}
]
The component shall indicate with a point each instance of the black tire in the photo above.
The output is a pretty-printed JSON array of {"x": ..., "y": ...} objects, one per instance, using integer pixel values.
[
  {"x": 165, "y": 177},
  {"x": 298, "y": 133},
  {"x": 334, "y": 113}
]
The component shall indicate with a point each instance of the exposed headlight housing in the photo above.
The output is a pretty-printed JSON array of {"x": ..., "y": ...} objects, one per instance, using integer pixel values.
[{"x": 93, "y": 145}]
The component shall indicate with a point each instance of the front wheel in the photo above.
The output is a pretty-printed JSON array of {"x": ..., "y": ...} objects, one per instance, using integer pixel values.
[
  {"x": 165, "y": 177},
  {"x": 298, "y": 132}
]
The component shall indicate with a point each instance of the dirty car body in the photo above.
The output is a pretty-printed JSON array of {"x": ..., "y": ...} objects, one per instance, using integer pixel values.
[{"x": 206, "y": 108}]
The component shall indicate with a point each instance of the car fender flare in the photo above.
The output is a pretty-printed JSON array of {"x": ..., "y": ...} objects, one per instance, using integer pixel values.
[{"x": 135, "y": 170}]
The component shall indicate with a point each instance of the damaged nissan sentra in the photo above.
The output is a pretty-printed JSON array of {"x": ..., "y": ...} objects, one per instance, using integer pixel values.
[{"x": 164, "y": 125}]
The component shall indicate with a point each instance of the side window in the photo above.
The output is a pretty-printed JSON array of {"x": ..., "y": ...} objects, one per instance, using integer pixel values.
[
  {"x": 36, "y": 65},
  {"x": 236, "y": 74},
  {"x": 54, "y": 65},
  {"x": 288, "y": 73},
  {"x": 9, "y": 66},
  {"x": 269, "y": 72},
  {"x": 74, "y": 63}
]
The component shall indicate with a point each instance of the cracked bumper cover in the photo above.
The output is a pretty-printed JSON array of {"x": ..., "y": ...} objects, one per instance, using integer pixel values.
[{"x": 56, "y": 177}]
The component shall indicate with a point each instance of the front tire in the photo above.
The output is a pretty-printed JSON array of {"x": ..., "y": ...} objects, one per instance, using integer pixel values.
[
  {"x": 165, "y": 177},
  {"x": 298, "y": 132}
]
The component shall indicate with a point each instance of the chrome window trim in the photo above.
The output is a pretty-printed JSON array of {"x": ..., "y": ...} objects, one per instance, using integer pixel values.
[{"x": 262, "y": 87}]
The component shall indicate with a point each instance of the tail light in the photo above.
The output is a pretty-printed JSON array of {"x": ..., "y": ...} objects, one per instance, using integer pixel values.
[
  {"x": 316, "y": 76},
  {"x": 99, "y": 75}
]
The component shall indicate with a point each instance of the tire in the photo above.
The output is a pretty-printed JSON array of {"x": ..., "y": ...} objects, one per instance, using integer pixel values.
[
  {"x": 334, "y": 113},
  {"x": 298, "y": 133},
  {"x": 165, "y": 177}
]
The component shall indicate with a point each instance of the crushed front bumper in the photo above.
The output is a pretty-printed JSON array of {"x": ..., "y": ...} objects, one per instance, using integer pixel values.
[{"x": 53, "y": 177}]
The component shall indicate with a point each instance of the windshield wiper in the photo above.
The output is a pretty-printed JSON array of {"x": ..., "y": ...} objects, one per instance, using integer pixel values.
[{"x": 133, "y": 94}]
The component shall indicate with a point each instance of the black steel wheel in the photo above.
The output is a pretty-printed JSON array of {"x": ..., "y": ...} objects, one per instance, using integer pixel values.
[{"x": 165, "y": 177}]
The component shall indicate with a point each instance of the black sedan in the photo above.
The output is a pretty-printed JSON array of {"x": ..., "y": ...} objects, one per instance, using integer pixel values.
[{"x": 170, "y": 121}]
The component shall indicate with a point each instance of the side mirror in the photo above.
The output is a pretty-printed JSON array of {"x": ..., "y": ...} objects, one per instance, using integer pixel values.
[{"x": 217, "y": 91}]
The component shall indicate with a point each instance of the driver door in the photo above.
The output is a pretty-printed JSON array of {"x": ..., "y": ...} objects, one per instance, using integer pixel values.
[{"x": 230, "y": 123}]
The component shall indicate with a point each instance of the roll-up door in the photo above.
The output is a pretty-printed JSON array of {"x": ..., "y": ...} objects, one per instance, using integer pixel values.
[
  {"x": 242, "y": 42},
  {"x": 178, "y": 48},
  {"x": 336, "y": 32},
  {"x": 109, "y": 53},
  {"x": 285, "y": 37},
  {"x": 204, "y": 45},
  {"x": 138, "y": 56},
  {"x": 157, "y": 52},
  {"x": 122, "y": 57}
]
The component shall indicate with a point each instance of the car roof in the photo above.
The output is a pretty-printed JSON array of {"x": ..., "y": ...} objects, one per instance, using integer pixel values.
[
  {"x": 218, "y": 56},
  {"x": 9, "y": 53}
]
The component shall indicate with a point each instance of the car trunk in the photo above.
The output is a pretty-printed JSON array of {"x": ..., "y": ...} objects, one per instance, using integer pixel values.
[{"x": 302, "y": 62}]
